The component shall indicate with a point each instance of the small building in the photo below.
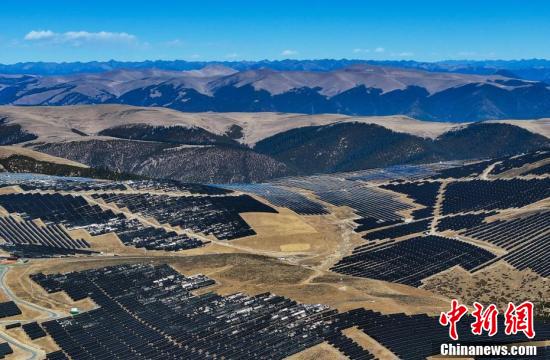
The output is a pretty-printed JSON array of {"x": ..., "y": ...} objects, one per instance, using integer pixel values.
[{"x": 75, "y": 311}]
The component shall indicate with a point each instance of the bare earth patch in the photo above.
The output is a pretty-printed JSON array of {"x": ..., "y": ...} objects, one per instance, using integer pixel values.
[
  {"x": 498, "y": 284},
  {"x": 7, "y": 151}
]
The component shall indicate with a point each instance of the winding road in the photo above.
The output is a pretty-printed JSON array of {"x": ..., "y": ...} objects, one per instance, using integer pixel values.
[{"x": 34, "y": 352}]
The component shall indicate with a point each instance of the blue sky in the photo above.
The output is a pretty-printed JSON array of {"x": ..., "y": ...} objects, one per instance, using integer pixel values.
[{"x": 254, "y": 30}]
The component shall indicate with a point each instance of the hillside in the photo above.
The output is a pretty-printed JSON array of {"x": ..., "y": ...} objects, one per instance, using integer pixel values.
[
  {"x": 21, "y": 160},
  {"x": 254, "y": 147},
  {"x": 189, "y": 163},
  {"x": 66, "y": 123},
  {"x": 359, "y": 89},
  {"x": 7, "y": 152},
  {"x": 354, "y": 146},
  {"x": 56, "y": 123}
]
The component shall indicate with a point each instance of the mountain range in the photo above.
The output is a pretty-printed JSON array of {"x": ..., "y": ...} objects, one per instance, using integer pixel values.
[
  {"x": 360, "y": 89},
  {"x": 251, "y": 147},
  {"x": 528, "y": 69}
]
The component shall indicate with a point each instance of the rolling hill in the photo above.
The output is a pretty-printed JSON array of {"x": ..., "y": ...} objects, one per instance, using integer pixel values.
[
  {"x": 353, "y": 146},
  {"x": 254, "y": 147}
]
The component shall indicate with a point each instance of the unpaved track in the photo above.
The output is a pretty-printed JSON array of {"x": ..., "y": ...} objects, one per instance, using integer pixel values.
[
  {"x": 10, "y": 294},
  {"x": 34, "y": 352}
]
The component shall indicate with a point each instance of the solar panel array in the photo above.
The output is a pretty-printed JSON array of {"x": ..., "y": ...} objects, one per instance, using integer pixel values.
[
  {"x": 401, "y": 172},
  {"x": 533, "y": 255},
  {"x": 367, "y": 201},
  {"x": 57, "y": 183},
  {"x": 152, "y": 238},
  {"x": 30, "y": 182},
  {"x": 463, "y": 221},
  {"x": 71, "y": 211},
  {"x": 56, "y": 355},
  {"x": 176, "y": 186},
  {"x": 397, "y": 231},
  {"x": 29, "y": 240},
  {"x": 149, "y": 312},
  {"x": 216, "y": 215},
  {"x": 9, "y": 308},
  {"x": 417, "y": 337},
  {"x": 5, "y": 349},
  {"x": 509, "y": 233},
  {"x": 349, "y": 347},
  {"x": 423, "y": 193},
  {"x": 463, "y": 196},
  {"x": 75, "y": 186},
  {"x": 462, "y": 171},
  {"x": 33, "y": 330},
  {"x": 280, "y": 196},
  {"x": 410, "y": 261},
  {"x": 26, "y": 238},
  {"x": 513, "y": 162}
]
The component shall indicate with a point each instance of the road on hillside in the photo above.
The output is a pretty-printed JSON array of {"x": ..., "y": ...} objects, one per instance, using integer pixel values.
[{"x": 34, "y": 353}]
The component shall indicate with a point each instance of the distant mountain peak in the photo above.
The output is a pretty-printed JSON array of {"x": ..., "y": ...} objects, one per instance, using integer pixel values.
[
  {"x": 359, "y": 89},
  {"x": 361, "y": 68},
  {"x": 212, "y": 70}
]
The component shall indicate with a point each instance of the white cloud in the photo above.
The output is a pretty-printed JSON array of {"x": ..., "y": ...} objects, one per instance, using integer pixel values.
[
  {"x": 405, "y": 54},
  {"x": 195, "y": 56},
  {"x": 232, "y": 55},
  {"x": 361, "y": 51},
  {"x": 40, "y": 35},
  {"x": 78, "y": 37},
  {"x": 466, "y": 53},
  {"x": 174, "y": 43},
  {"x": 289, "y": 52},
  {"x": 102, "y": 36},
  {"x": 379, "y": 50}
]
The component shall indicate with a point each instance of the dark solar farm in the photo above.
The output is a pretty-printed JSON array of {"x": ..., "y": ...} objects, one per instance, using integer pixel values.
[
  {"x": 298, "y": 267},
  {"x": 280, "y": 196},
  {"x": 74, "y": 212},
  {"x": 462, "y": 211},
  {"x": 9, "y": 308},
  {"x": 5, "y": 349},
  {"x": 493, "y": 194},
  {"x": 168, "y": 321},
  {"x": 519, "y": 162},
  {"x": 218, "y": 216},
  {"x": 371, "y": 204},
  {"x": 394, "y": 332},
  {"x": 410, "y": 261}
]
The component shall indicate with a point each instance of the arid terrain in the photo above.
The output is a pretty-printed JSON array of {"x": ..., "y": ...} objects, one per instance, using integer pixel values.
[
  {"x": 274, "y": 180},
  {"x": 155, "y": 142},
  {"x": 56, "y": 124},
  {"x": 302, "y": 250}
]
